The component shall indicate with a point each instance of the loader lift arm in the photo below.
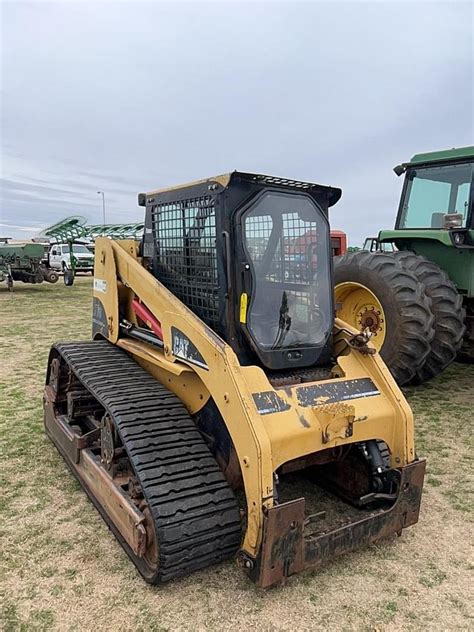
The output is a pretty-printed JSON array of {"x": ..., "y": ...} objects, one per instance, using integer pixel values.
[{"x": 118, "y": 260}]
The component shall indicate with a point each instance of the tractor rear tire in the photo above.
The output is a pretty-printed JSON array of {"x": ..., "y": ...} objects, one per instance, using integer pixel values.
[
  {"x": 466, "y": 353},
  {"x": 396, "y": 300},
  {"x": 449, "y": 315}
]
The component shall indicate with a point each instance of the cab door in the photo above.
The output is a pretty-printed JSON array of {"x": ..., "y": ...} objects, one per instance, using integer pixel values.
[
  {"x": 65, "y": 257},
  {"x": 286, "y": 308},
  {"x": 55, "y": 257}
]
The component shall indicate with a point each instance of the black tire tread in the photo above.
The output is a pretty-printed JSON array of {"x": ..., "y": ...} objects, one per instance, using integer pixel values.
[
  {"x": 448, "y": 311},
  {"x": 416, "y": 322}
]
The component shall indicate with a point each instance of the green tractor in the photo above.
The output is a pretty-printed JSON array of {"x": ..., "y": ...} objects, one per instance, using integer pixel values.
[{"x": 418, "y": 301}]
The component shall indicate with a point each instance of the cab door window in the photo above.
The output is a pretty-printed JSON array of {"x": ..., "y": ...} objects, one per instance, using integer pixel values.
[{"x": 286, "y": 240}]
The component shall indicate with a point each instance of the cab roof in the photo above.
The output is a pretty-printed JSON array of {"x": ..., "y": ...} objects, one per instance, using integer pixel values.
[
  {"x": 334, "y": 193},
  {"x": 446, "y": 154}
]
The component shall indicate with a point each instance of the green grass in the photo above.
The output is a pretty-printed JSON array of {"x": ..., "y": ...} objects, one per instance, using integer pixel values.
[{"x": 62, "y": 569}]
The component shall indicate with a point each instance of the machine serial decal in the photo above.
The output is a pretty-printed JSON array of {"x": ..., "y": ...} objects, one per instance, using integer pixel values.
[
  {"x": 183, "y": 348},
  {"x": 317, "y": 394},
  {"x": 100, "y": 285}
]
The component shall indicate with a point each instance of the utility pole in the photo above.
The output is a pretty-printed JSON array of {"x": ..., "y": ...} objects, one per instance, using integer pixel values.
[{"x": 103, "y": 205}]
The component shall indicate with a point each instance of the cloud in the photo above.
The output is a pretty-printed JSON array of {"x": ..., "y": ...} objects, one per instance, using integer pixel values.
[
  {"x": 127, "y": 97},
  {"x": 26, "y": 229}
]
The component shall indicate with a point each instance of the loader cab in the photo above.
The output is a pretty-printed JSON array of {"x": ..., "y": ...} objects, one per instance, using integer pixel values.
[{"x": 251, "y": 256}]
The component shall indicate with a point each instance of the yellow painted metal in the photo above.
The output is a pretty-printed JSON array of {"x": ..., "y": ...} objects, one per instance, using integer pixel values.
[
  {"x": 361, "y": 309},
  {"x": 263, "y": 442},
  {"x": 223, "y": 180},
  {"x": 243, "y": 307}
]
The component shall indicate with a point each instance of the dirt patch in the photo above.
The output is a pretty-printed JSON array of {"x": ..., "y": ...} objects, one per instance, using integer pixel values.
[{"x": 62, "y": 569}]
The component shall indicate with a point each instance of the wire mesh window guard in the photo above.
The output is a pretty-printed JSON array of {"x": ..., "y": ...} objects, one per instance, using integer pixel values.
[{"x": 185, "y": 241}]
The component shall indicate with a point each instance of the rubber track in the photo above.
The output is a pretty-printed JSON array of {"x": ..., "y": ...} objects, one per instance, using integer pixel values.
[{"x": 196, "y": 515}]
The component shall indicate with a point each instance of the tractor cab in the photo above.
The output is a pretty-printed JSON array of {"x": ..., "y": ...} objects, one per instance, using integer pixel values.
[
  {"x": 431, "y": 270},
  {"x": 436, "y": 196},
  {"x": 435, "y": 217},
  {"x": 437, "y": 199}
]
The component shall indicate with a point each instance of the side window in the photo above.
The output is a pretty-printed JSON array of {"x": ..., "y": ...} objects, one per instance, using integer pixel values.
[
  {"x": 426, "y": 198},
  {"x": 433, "y": 192},
  {"x": 184, "y": 233}
]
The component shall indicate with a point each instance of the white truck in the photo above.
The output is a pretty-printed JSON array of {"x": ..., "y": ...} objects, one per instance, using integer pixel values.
[{"x": 59, "y": 258}]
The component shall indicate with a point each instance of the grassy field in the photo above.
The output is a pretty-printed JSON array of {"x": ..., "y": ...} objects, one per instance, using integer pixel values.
[{"x": 62, "y": 569}]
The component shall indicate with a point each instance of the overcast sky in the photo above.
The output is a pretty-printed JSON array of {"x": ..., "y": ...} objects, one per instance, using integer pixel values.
[{"x": 128, "y": 96}]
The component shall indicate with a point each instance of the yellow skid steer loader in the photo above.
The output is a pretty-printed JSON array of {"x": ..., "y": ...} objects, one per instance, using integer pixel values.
[{"x": 218, "y": 376}]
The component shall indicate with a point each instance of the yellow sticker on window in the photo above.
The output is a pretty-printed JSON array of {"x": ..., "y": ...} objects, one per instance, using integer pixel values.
[{"x": 243, "y": 307}]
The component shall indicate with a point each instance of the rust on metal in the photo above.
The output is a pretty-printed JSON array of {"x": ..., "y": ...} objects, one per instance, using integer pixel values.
[
  {"x": 107, "y": 442},
  {"x": 286, "y": 549},
  {"x": 282, "y": 547},
  {"x": 80, "y": 402},
  {"x": 126, "y": 517},
  {"x": 54, "y": 375},
  {"x": 403, "y": 513},
  {"x": 360, "y": 342}
]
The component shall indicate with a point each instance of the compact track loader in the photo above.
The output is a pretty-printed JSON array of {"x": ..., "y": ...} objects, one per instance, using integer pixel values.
[{"x": 218, "y": 385}]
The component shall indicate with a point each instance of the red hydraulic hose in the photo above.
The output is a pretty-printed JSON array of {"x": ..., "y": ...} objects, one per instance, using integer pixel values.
[{"x": 144, "y": 314}]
